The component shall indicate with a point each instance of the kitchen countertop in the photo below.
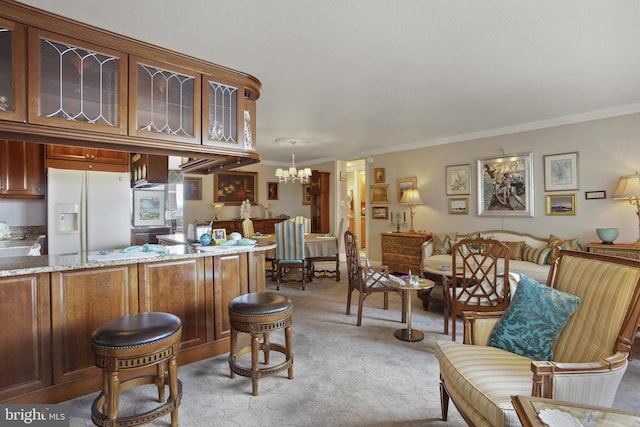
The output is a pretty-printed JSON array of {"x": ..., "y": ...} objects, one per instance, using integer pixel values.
[{"x": 16, "y": 266}]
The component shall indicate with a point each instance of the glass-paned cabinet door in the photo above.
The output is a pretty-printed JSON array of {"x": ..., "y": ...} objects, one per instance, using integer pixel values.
[
  {"x": 165, "y": 101},
  {"x": 220, "y": 113},
  {"x": 75, "y": 84},
  {"x": 12, "y": 71}
]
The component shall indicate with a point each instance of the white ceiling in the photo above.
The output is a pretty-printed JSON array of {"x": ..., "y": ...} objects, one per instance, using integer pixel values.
[{"x": 360, "y": 77}]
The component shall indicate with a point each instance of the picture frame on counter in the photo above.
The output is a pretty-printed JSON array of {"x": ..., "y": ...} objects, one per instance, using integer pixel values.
[
  {"x": 148, "y": 208},
  {"x": 219, "y": 235}
]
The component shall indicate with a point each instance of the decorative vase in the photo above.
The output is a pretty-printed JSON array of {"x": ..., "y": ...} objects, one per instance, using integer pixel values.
[{"x": 607, "y": 235}]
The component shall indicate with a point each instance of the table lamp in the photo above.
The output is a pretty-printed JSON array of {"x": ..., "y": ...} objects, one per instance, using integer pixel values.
[
  {"x": 629, "y": 189},
  {"x": 411, "y": 198}
]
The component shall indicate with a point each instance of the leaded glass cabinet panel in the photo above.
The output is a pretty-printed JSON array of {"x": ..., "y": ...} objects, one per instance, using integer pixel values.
[{"x": 12, "y": 70}]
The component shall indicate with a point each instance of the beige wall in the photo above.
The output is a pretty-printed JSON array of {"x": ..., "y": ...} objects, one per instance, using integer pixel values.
[{"x": 607, "y": 148}]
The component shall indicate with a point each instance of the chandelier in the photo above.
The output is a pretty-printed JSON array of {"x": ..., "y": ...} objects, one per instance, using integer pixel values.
[{"x": 293, "y": 174}]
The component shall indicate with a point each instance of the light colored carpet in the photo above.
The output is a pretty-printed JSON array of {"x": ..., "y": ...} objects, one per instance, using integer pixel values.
[{"x": 344, "y": 375}]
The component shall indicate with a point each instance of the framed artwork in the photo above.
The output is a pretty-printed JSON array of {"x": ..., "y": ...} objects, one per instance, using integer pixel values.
[
  {"x": 232, "y": 188},
  {"x": 590, "y": 195},
  {"x": 378, "y": 175},
  {"x": 561, "y": 172},
  {"x": 380, "y": 212},
  {"x": 379, "y": 193},
  {"x": 219, "y": 235},
  {"x": 306, "y": 194},
  {"x": 343, "y": 176},
  {"x": 192, "y": 188},
  {"x": 561, "y": 204},
  {"x": 148, "y": 207},
  {"x": 406, "y": 184},
  {"x": 459, "y": 206},
  {"x": 458, "y": 179},
  {"x": 272, "y": 191},
  {"x": 505, "y": 185}
]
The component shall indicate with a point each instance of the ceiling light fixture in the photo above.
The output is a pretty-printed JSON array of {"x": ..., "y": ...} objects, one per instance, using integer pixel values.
[{"x": 293, "y": 174}]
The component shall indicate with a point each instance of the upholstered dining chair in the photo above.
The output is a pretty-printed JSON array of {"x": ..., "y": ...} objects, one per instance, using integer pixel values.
[
  {"x": 335, "y": 258},
  {"x": 568, "y": 341},
  {"x": 367, "y": 279},
  {"x": 290, "y": 250},
  {"x": 304, "y": 221},
  {"x": 479, "y": 279},
  {"x": 247, "y": 228}
]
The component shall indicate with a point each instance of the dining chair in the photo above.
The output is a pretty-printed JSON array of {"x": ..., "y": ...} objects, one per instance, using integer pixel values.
[
  {"x": 335, "y": 258},
  {"x": 367, "y": 279},
  {"x": 479, "y": 279},
  {"x": 304, "y": 221},
  {"x": 247, "y": 228},
  {"x": 290, "y": 251}
]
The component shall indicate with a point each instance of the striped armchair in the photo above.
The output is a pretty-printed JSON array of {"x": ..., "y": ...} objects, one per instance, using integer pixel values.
[{"x": 589, "y": 356}]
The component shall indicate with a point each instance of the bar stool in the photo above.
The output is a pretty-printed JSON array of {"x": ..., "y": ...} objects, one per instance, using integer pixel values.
[
  {"x": 132, "y": 342},
  {"x": 260, "y": 313}
]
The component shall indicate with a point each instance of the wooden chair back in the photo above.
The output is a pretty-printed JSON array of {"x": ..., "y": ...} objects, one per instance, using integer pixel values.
[{"x": 479, "y": 277}]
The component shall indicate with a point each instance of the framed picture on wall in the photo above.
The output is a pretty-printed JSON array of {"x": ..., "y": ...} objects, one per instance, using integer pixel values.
[
  {"x": 192, "y": 188},
  {"x": 232, "y": 188},
  {"x": 272, "y": 191},
  {"x": 561, "y": 172},
  {"x": 458, "y": 179},
  {"x": 379, "y": 193},
  {"x": 306, "y": 194},
  {"x": 378, "y": 175},
  {"x": 380, "y": 212},
  {"x": 406, "y": 184},
  {"x": 148, "y": 207},
  {"x": 561, "y": 204},
  {"x": 505, "y": 185},
  {"x": 459, "y": 206}
]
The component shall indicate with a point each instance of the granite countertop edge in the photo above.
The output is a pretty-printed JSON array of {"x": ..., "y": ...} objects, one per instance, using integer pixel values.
[{"x": 23, "y": 265}]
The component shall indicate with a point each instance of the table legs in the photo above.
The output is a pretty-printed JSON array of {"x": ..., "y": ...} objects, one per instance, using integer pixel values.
[{"x": 409, "y": 334}]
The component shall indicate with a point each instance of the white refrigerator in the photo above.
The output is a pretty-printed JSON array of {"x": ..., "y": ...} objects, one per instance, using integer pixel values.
[{"x": 87, "y": 211}]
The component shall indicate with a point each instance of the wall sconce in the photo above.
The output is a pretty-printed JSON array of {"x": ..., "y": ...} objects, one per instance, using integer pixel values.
[
  {"x": 411, "y": 198},
  {"x": 629, "y": 189}
]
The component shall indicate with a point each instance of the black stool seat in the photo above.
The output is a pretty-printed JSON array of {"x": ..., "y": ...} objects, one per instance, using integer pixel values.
[
  {"x": 259, "y": 314},
  {"x": 260, "y": 304},
  {"x": 136, "y": 330},
  {"x": 131, "y": 342}
]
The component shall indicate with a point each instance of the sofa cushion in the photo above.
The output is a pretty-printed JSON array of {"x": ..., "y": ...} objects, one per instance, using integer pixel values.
[
  {"x": 538, "y": 256},
  {"x": 534, "y": 319},
  {"x": 515, "y": 250},
  {"x": 442, "y": 243},
  {"x": 566, "y": 244},
  {"x": 482, "y": 379}
]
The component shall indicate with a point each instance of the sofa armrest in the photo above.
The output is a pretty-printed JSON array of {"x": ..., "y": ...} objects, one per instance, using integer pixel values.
[
  {"x": 478, "y": 326},
  {"x": 427, "y": 249},
  {"x": 593, "y": 383}
]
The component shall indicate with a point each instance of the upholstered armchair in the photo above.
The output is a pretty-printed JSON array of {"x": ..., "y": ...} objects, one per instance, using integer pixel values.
[{"x": 596, "y": 299}]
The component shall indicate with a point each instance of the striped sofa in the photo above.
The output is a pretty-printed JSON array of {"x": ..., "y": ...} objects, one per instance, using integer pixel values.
[{"x": 590, "y": 354}]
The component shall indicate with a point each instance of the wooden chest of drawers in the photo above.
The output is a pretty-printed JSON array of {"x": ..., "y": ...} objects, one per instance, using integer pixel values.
[
  {"x": 403, "y": 251},
  {"x": 623, "y": 250}
]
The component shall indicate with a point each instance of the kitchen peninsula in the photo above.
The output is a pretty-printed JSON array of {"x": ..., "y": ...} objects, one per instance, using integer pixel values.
[{"x": 55, "y": 302}]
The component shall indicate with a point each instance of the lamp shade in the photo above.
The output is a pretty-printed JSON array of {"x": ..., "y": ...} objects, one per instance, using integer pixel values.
[
  {"x": 411, "y": 197},
  {"x": 628, "y": 187}
]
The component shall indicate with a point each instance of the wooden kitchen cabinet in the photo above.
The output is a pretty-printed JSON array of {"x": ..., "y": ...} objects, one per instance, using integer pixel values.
[
  {"x": 230, "y": 279},
  {"x": 68, "y": 157},
  {"x": 22, "y": 172},
  {"x": 177, "y": 287},
  {"x": 75, "y": 84},
  {"x": 402, "y": 252},
  {"x": 148, "y": 169},
  {"x": 25, "y": 335},
  {"x": 82, "y": 300},
  {"x": 165, "y": 101},
  {"x": 319, "y": 191},
  {"x": 142, "y": 235},
  {"x": 12, "y": 71}
]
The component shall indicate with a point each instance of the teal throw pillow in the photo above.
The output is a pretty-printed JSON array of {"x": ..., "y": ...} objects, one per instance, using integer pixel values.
[{"x": 534, "y": 319}]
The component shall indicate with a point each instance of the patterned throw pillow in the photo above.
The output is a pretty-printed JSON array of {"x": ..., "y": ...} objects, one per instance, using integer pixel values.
[
  {"x": 569, "y": 244},
  {"x": 442, "y": 243},
  {"x": 538, "y": 256},
  {"x": 534, "y": 319},
  {"x": 515, "y": 250}
]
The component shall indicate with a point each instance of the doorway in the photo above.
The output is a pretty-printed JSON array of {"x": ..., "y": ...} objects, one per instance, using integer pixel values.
[{"x": 356, "y": 192}]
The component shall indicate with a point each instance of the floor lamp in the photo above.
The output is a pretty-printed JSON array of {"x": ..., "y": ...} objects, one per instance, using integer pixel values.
[
  {"x": 629, "y": 189},
  {"x": 411, "y": 198}
]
